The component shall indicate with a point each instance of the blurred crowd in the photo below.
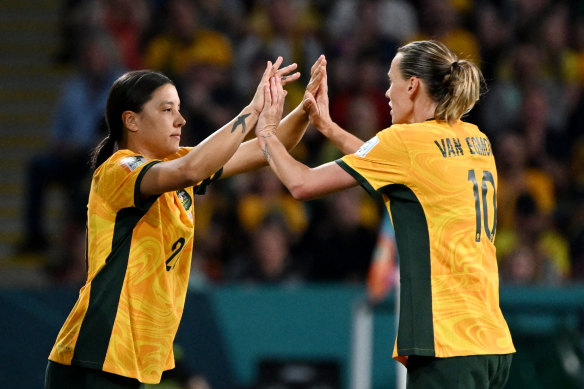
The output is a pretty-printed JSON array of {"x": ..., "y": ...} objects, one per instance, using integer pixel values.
[{"x": 248, "y": 228}]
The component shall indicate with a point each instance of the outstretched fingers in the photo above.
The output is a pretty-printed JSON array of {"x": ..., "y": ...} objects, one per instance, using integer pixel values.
[
  {"x": 273, "y": 95},
  {"x": 277, "y": 87},
  {"x": 317, "y": 72},
  {"x": 324, "y": 84},
  {"x": 267, "y": 72},
  {"x": 318, "y": 63},
  {"x": 315, "y": 80},
  {"x": 268, "y": 94},
  {"x": 285, "y": 76},
  {"x": 277, "y": 93},
  {"x": 276, "y": 66}
]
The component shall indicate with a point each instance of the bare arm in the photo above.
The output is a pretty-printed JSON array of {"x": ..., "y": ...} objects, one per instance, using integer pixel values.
[
  {"x": 212, "y": 153},
  {"x": 291, "y": 129},
  {"x": 203, "y": 160},
  {"x": 249, "y": 155},
  {"x": 304, "y": 183},
  {"x": 346, "y": 142}
]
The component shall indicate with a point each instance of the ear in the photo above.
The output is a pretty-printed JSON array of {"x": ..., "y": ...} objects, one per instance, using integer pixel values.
[
  {"x": 413, "y": 86},
  {"x": 129, "y": 121}
]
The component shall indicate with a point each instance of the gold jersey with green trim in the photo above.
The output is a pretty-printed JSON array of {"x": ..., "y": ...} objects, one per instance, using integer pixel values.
[
  {"x": 138, "y": 257},
  {"x": 438, "y": 183}
]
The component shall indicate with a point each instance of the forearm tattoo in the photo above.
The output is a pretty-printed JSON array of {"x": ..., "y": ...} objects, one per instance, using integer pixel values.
[
  {"x": 240, "y": 121},
  {"x": 267, "y": 153}
]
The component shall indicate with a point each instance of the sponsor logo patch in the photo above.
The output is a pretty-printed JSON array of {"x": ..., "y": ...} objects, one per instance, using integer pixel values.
[
  {"x": 185, "y": 199},
  {"x": 131, "y": 163},
  {"x": 367, "y": 147}
]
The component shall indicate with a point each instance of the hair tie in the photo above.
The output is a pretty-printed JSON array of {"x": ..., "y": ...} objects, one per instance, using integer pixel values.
[{"x": 454, "y": 65}]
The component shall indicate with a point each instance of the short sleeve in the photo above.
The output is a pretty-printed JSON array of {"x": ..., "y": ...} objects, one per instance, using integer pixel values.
[
  {"x": 118, "y": 181},
  {"x": 382, "y": 160},
  {"x": 201, "y": 187}
]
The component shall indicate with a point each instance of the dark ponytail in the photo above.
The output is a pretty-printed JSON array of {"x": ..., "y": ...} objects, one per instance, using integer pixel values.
[
  {"x": 102, "y": 151},
  {"x": 128, "y": 93}
]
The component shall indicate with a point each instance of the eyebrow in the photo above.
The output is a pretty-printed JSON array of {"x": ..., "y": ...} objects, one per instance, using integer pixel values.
[{"x": 163, "y": 103}]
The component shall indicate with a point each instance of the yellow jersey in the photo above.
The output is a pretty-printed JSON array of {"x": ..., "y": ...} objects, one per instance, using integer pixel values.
[
  {"x": 138, "y": 257},
  {"x": 439, "y": 183}
]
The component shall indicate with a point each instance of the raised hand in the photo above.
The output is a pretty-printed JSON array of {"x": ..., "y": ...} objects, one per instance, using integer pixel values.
[
  {"x": 317, "y": 104},
  {"x": 317, "y": 72},
  {"x": 274, "y": 96},
  {"x": 317, "y": 107},
  {"x": 273, "y": 70},
  {"x": 284, "y": 75}
]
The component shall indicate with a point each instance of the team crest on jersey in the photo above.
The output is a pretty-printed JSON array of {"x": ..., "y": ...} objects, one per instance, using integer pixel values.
[
  {"x": 185, "y": 199},
  {"x": 131, "y": 163},
  {"x": 367, "y": 147}
]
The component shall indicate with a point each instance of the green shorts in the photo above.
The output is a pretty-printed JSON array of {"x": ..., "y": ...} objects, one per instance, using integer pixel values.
[
  {"x": 468, "y": 372},
  {"x": 60, "y": 376}
]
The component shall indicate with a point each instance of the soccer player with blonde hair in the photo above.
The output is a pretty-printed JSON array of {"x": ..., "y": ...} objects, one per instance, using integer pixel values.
[{"x": 437, "y": 179}]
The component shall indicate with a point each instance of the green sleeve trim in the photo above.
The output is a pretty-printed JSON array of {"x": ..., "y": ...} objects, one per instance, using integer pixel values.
[
  {"x": 201, "y": 188},
  {"x": 360, "y": 179},
  {"x": 139, "y": 202},
  {"x": 217, "y": 175}
]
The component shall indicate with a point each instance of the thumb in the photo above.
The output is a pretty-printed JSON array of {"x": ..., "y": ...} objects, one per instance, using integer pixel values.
[
  {"x": 308, "y": 102},
  {"x": 309, "y": 97}
]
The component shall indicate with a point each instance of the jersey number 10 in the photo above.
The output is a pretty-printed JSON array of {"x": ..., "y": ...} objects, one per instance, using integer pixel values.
[{"x": 482, "y": 193}]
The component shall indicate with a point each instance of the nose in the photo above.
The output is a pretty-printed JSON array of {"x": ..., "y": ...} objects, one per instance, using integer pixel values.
[{"x": 181, "y": 121}]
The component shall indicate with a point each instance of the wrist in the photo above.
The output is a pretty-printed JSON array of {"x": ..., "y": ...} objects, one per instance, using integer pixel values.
[
  {"x": 266, "y": 132},
  {"x": 254, "y": 111},
  {"x": 326, "y": 127},
  {"x": 265, "y": 138}
]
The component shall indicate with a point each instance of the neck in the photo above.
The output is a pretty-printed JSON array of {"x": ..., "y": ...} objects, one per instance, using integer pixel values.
[
  {"x": 424, "y": 109},
  {"x": 134, "y": 145}
]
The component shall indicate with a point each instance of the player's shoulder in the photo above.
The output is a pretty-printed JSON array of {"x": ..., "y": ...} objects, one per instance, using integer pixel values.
[
  {"x": 126, "y": 159},
  {"x": 470, "y": 127},
  {"x": 120, "y": 163},
  {"x": 409, "y": 127},
  {"x": 432, "y": 127},
  {"x": 406, "y": 131},
  {"x": 182, "y": 151}
]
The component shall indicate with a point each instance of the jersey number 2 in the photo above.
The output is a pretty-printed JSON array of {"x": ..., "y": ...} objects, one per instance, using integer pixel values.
[
  {"x": 484, "y": 220},
  {"x": 176, "y": 248}
]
